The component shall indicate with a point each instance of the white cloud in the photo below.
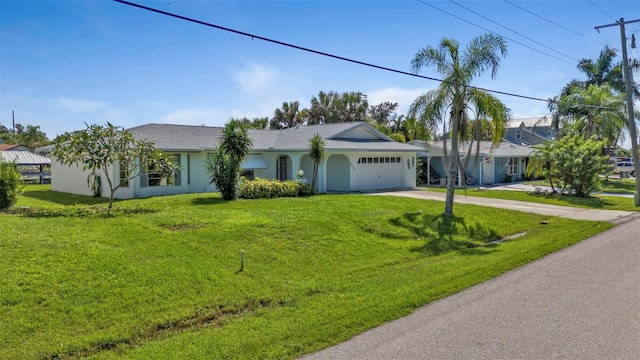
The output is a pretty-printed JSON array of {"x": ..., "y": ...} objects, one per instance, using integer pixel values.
[
  {"x": 256, "y": 78},
  {"x": 404, "y": 97},
  {"x": 78, "y": 105}
]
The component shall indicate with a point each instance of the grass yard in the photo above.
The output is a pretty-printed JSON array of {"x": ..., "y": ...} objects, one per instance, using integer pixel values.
[
  {"x": 595, "y": 202},
  {"x": 612, "y": 186},
  {"x": 159, "y": 278}
]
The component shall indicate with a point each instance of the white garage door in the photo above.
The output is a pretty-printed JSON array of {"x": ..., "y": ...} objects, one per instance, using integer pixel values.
[{"x": 378, "y": 172}]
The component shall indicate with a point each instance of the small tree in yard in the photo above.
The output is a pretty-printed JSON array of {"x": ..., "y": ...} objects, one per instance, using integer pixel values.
[
  {"x": 98, "y": 148},
  {"x": 316, "y": 152},
  {"x": 572, "y": 162},
  {"x": 10, "y": 184},
  {"x": 226, "y": 164}
]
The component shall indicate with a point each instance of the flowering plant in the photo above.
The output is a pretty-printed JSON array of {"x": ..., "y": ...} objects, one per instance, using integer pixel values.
[{"x": 300, "y": 174}]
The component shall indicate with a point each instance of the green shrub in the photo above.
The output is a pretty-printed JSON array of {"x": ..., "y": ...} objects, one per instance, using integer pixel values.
[
  {"x": 267, "y": 189},
  {"x": 10, "y": 184}
]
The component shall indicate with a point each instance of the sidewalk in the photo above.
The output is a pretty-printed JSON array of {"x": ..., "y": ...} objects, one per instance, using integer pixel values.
[{"x": 613, "y": 216}]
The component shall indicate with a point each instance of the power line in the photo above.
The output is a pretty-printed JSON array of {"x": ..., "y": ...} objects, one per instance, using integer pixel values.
[
  {"x": 597, "y": 7},
  {"x": 495, "y": 33},
  {"x": 543, "y": 18},
  {"x": 253, "y": 36},
  {"x": 515, "y": 32}
]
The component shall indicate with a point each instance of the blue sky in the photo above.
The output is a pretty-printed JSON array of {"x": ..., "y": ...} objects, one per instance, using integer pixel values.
[{"x": 64, "y": 63}]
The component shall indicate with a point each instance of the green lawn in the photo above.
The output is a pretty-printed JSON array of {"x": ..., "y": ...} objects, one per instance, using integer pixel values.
[
  {"x": 601, "y": 202},
  {"x": 613, "y": 185},
  {"x": 159, "y": 279}
]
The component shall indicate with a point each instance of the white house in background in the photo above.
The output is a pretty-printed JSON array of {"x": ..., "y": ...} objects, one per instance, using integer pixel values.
[
  {"x": 357, "y": 158},
  {"x": 495, "y": 164},
  {"x": 530, "y": 131}
]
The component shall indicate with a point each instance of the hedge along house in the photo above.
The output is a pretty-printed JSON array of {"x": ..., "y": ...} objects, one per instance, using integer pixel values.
[
  {"x": 357, "y": 158},
  {"x": 504, "y": 163}
]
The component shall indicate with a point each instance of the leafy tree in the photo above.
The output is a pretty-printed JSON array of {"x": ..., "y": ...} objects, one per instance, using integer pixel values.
[
  {"x": 19, "y": 129},
  {"x": 226, "y": 164},
  {"x": 98, "y": 148},
  {"x": 316, "y": 152},
  {"x": 288, "y": 116},
  {"x": 459, "y": 67},
  {"x": 571, "y": 161},
  {"x": 4, "y": 129},
  {"x": 384, "y": 113},
  {"x": 10, "y": 184}
]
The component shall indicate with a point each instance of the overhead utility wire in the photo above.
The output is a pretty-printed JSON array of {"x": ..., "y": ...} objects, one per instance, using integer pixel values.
[
  {"x": 495, "y": 33},
  {"x": 543, "y": 18},
  {"x": 599, "y": 8},
  {"x": 515, "y": 32},
  {"x": 253, "y": 36}
]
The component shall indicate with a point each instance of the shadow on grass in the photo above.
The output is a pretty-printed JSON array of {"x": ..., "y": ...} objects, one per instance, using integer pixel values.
[
  {"x": 80, "y": 212},
  {"x": 444, "y": 234},
  {"x": 64, "y": 198},
  {"x": 208, "y": 201}
]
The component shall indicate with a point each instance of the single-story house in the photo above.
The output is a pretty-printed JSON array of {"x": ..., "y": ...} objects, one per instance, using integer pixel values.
[
  {"x": 495, "y": 165},
  {"x": 33, "y": 167},
  {"x": 357, "y": 158}
]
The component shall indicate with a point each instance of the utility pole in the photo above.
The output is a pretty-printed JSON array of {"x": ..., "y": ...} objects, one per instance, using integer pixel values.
[
  {"x": 628, "y": 82},
  {"x": 13, "y": 119}
]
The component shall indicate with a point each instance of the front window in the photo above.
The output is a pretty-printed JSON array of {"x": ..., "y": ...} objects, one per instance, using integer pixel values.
[
  {"x": 513, "y": 166},
  {"x": 248, "y": 174},
  {"x": 155, "y": 177}
]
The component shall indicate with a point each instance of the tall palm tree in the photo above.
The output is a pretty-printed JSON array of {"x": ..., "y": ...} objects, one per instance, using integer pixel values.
[
  {"x": 455, "y": 99},
  {"x": 352, "y": 106},
  {"x": 323, "y": 108},
  {"x": 288, "y": 116},
  {"x": 33, "y": 137},
  {"x": 599, "y": 112}
]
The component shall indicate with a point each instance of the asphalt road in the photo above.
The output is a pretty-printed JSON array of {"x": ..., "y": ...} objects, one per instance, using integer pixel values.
[{"x": 579, "y": 303}]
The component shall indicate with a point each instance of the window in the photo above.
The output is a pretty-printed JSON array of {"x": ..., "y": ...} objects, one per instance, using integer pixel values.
[
  {"x": 154, "y": 177},
  {"x": 513, "y": 166},
  {"x": 379, "y": 160},
  {"x": 124, "y": 175},
  {"x": 248, "y": 174},
  {"x": 518, "y": 134}
]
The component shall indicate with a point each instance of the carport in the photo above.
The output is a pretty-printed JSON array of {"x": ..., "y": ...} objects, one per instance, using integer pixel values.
[{"x": 33, "y": 167}]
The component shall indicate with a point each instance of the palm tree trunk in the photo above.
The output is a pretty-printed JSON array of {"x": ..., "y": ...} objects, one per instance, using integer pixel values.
[{"x": 453, "y": 165}]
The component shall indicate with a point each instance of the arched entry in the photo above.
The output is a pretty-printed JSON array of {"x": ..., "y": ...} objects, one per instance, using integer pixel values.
[{"x": 338, "y": 173}]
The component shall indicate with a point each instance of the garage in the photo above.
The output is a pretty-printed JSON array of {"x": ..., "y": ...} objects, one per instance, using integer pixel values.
[{"x": 379, "y": 172}]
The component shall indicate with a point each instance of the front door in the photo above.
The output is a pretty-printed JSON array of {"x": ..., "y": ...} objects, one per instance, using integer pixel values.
[
  {"x": 489, "y": 169},
  {"x": 282, "y": 168}
]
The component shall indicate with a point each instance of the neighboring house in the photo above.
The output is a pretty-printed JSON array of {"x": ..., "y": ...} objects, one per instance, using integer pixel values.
[
  {"x": 357, "y": 158},
  {"x": 530, "y": 131},
  {"x": 33, "y": 167},
  {"x": 44, "y": 150},
  {"x": 507, "y": 161},
  {"x": 13, "y": 147}
]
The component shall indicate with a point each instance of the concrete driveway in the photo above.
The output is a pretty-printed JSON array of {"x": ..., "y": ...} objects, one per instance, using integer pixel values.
[{"x": 582, "y": 302}]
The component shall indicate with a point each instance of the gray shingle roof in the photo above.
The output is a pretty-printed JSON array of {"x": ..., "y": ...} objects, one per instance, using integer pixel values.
[{"x": 197, "y": 138}]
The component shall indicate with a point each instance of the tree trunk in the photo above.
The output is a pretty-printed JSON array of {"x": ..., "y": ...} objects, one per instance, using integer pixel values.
[{"x": 453, "y": 165}]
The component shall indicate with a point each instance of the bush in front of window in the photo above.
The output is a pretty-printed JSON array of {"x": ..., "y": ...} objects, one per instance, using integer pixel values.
[
  {"x": 267, "y": 189},
  {"x": 10, "y": 184}
]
